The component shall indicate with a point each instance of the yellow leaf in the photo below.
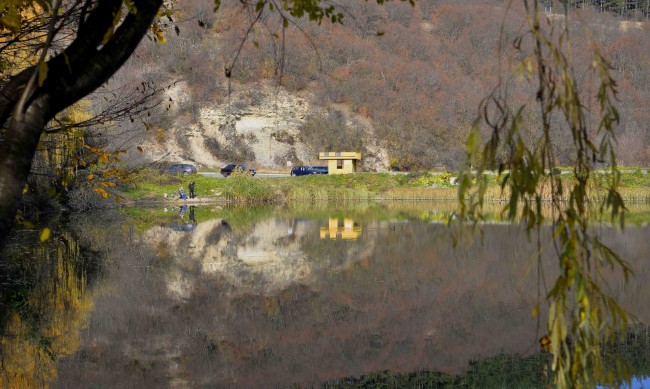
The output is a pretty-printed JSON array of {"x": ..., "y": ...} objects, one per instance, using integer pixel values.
[
  {"x": 101, "y": 192},
  {"x": 91, "y": 176},
  {"x": 45, "y": 234},
  {"x": 42, "y": 73},
  {"x": 161, "y": 37}
]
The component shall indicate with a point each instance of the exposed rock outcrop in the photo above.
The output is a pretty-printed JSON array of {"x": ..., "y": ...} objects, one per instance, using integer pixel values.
[{"x": 258, "y": 124}]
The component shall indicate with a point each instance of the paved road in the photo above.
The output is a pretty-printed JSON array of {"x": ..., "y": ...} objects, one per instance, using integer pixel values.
[{"x": 259, "y": 175}]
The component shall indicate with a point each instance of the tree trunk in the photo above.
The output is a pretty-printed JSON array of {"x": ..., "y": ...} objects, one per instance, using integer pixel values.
[
  {"x": 85, "y": 65},
  {"x": 15, "y": 160}
]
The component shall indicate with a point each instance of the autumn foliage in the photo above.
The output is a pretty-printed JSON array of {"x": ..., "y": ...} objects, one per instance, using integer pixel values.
[{"x": 417, "y": 73}]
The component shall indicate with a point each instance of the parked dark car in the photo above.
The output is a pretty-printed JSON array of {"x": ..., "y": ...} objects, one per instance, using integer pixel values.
[
  {"x": 306, "y": 170},
  {"x": 301, "y": 170},
  {"x": 230, "y": 169},
  {"x": 181, "y": 168},
  {"x": 319, "y": 169}
]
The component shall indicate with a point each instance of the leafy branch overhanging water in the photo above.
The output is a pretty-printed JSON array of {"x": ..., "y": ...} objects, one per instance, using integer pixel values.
[{"x": 580, "y": 310}]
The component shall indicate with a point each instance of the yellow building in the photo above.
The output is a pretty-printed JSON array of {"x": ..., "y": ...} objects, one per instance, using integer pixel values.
[
  {"x": 334, "y": 231},
  {"x": 340, "y": 162}
]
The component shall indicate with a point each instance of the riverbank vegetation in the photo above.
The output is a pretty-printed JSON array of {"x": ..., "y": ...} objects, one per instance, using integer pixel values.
[{"x": 148, "y": 186}]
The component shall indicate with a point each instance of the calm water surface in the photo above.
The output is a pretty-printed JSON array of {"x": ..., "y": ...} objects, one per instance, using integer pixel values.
[{"x": 234, "y": 297}]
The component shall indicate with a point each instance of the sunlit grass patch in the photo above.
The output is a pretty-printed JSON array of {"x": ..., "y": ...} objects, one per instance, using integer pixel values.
[
  {"x": 150, "y": 185},
  {"x": 247, "y": 189}
]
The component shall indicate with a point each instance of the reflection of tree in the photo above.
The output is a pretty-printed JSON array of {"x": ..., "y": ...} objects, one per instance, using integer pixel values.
[
  {"x": 633, "y": 348},
  {"x": 500, "y": 372},
  {"x": 509, "y": 370},
  {"x": 44, "y": 305}
]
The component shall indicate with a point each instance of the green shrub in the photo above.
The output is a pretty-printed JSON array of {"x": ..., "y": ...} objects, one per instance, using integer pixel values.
[{"x": 241, "y": 187}]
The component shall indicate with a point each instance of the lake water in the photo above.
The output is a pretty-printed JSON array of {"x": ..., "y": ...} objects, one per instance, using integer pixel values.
[{"x": 292, "y": 297}]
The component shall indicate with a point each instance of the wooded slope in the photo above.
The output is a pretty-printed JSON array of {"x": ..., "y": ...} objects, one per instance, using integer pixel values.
[{"x": 409, "y": 79}]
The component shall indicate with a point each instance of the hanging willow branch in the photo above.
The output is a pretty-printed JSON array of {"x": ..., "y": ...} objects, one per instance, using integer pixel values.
[{"x": 581, "y": 312}]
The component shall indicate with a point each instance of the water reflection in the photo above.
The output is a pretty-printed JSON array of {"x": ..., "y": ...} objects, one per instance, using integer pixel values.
[
  {"x": 43, "y": 305},
  {"x": 263, "y": 298},
  {"x": 349, "y": 230}
]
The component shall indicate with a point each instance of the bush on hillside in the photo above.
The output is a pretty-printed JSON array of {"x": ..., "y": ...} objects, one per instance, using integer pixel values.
[{"x": 331, "y": 132}]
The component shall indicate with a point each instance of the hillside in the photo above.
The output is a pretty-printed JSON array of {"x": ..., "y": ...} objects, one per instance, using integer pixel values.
[{"x": 400, "y": 83}]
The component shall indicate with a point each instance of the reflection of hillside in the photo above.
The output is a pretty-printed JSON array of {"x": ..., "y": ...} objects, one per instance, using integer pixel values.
[
  {"x": 411, "y": 303},
  {"x": 402, "y": 297},
  {"x": 268, "y": 256},
  {"x": 276, "y": 305}
]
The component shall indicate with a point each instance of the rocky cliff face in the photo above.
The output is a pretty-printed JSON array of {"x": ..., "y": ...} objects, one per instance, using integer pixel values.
[{"x": 258, "y": 124}]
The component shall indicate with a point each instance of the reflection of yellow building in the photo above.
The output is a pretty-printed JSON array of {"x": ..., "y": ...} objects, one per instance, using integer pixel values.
[
  {"x": 340, "y": 162},
  {"x": 348, "y": 231}
]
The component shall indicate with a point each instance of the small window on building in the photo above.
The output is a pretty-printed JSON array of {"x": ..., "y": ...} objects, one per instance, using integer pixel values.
[{"x": 339, "y": 164}]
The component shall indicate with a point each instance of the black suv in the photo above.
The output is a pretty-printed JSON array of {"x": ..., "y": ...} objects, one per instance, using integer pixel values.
[{"x": 230, "y": 169}]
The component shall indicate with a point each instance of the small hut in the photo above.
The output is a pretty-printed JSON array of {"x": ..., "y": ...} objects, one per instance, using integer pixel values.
[{"x": 340, "y": 162}]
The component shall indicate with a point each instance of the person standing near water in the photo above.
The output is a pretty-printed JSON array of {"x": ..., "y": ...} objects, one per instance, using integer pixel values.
[{"x": 191, "y": 188}]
